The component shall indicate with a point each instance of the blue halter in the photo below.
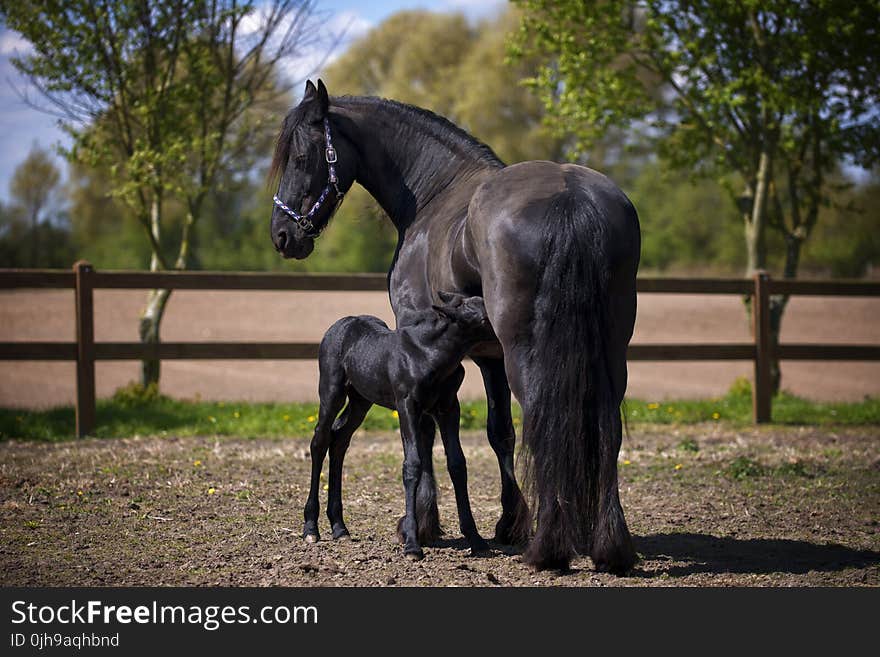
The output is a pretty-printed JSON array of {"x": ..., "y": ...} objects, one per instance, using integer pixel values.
[{"x": 305, "y": 221}]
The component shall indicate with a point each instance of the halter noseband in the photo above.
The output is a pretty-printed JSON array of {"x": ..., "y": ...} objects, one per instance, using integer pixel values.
[{"x": 305, "y": 221}]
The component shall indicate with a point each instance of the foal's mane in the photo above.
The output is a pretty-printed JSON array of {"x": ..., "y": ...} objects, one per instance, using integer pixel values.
[{"x": 426, "y": 122}]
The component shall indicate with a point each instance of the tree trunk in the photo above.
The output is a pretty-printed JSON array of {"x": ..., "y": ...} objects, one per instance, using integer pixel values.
[
  {"x": 755, "y": 222},
  {"x": 150, "y": 322},
  {"x": 35, "y": 239},
  {"x": 151, "y": 317},
  {"x": 779, "y": 302}
]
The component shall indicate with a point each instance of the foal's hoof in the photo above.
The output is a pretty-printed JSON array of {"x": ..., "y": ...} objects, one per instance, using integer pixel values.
[
  {"x": 311, "y": 538},
  {"x": 415, "y": 556}
]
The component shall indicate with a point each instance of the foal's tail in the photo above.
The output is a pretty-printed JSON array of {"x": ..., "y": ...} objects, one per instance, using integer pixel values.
[{"x": 571, "y": 414}]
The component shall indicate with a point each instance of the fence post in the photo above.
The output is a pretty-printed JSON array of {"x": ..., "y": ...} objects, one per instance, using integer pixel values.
[
  {"x": 85, "y": 349},
  {"x": 762, "y": 393}
]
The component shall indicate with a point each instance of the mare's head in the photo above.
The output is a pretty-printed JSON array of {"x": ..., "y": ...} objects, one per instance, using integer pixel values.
[
  {"x": 467, "y": 315},
  {"x": 315, "y": 167}
]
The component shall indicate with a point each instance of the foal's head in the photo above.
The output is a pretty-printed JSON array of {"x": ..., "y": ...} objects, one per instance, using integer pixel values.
[
  {"x": 467, "y": 315},
  {"x": 315, "y": 166}
]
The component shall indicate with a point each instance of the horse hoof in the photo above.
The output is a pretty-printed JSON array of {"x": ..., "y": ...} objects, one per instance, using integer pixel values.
[
  {"x": 343, "y": 537},
  {"x": 480, "y": 548},
  {"x": 311, "y": 538},
  {"x": 415, "y": 556}
]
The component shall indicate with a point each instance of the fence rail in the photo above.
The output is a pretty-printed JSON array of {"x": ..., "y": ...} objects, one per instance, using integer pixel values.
[{"x": 85, "y": 351}]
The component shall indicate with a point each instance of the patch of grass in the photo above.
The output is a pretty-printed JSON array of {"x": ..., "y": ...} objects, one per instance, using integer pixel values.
[
  {"x": 689, "y": 445},
  {"x": 742, "y": 467},
  {"x": 736, "y": 408},
  {"x": 795, "y": 469},
  {"x": 135, "y": 411}
]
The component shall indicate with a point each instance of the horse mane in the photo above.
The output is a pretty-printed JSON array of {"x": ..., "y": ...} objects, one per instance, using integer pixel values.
[{"x": 425, "y": 121}]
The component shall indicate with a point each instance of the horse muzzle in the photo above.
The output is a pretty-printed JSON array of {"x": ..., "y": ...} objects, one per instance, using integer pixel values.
[{"x": 290, "y": 241}]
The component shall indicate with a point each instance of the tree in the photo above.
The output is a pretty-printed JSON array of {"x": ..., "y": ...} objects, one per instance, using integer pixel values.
[
  {"x": 34, "y": 183},
  {"x": 156, "y": 93},
  {"x": 772, "y": 94},
  {"x": 442, "y": 63}
]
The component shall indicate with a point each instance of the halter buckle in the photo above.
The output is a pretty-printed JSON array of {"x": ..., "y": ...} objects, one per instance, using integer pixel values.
[{"x": 330, "y": 155}]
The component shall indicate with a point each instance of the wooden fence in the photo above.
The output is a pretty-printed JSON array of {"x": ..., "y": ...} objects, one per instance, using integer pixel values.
[{"x": 85, "y": 351}]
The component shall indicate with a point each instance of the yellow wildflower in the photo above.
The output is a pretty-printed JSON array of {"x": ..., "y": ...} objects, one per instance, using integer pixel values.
[
  {"x": 716, "y": 416},
  {"x": 678, "y": 466},
  {"x": 286, "y": 418},
  {"x": 627, "y": 462},
  {"x": 236, "y": 414},
  {"x": 653, "y": 406},
  {"x": 395, "y": 414},
  {"x": 310, "y": 418},
  {"x": 197, "y": 463},
  {"x": 212, "y": 490}
]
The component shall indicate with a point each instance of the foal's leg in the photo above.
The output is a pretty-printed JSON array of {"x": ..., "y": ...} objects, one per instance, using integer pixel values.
[
  {"x": 427, "y": 513},
  {"x": 343, "y": 428},
  {"x": 448, "y": 418},
  {"x": 514, "y": 526},
  {"x": 331, "y": 390},
  {"x": 410, "y": 420}
]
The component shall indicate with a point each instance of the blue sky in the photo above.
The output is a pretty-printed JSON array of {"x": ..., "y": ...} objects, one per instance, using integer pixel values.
[{"x": 21, "y": 126}]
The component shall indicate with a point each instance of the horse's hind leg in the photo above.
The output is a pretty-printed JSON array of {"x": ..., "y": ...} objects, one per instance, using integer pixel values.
[
  {"x": 612, "y": 547},
  {"x": 448, "y": 418},
  {"x": 514, "y": 526},
  {"x": 343, "y": 428},
  {"x": 331, "y": 389}
]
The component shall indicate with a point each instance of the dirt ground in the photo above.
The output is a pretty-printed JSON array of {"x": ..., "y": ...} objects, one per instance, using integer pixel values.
[
  {"x": 304, "y": 316},
  {"x": 708, "y": 506}
]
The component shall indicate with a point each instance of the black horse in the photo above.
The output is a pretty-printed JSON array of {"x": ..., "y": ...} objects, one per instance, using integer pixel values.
[
  {"x": 552, "y": 248},
  {"x": 415, "y": 370}
]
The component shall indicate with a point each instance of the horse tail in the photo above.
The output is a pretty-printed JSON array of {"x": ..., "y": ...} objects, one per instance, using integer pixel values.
[{"x": 571, "y": 413}]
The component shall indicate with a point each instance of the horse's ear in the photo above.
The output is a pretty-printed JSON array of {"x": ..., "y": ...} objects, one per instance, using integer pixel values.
[
  {"x": 323, "y": 99},
  {"x": 310, "y": 91},
  {"x": 446, "y": 312}
]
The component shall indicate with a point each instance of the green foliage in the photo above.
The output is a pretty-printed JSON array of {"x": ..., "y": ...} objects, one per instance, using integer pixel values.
[
  {"x": 33, "y": 228},
  {"x": 774, "y": 94},
  {"x": 846, "y": 241},
  {"x": 683, "y": 224}
]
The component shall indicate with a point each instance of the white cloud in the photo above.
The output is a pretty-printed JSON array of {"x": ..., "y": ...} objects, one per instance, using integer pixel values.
[
  {"x": 12, "y": 43},
  {"x": 341, "y": 30},
  {"x": 325, "y": 37}
]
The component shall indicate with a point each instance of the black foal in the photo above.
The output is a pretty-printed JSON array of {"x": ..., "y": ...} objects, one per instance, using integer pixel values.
[{"x": 415, "y": 370}]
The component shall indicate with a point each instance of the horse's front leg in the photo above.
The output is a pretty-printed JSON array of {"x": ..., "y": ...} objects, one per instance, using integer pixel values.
[
  {"x": 410, "y": 420},
  {"x": 514, "y": 526}
]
